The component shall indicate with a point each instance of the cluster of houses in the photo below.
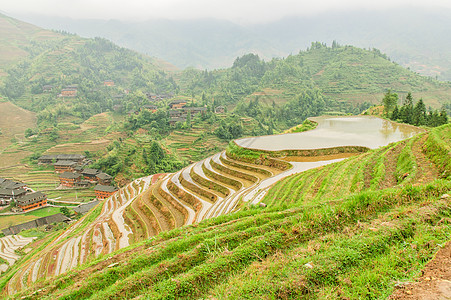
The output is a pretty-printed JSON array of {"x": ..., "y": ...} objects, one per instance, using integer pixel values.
[
  {"x": 73, "y": 173},
  {"x": 24, "y": 197},
  {"x": 178, "y": 111}
]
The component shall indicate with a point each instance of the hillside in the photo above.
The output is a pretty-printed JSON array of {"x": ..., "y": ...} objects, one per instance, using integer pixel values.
[
  {"x": 19, "y": 40},
  {"x": 351, "y": 240},
  {"x": 208, "y": 44}
]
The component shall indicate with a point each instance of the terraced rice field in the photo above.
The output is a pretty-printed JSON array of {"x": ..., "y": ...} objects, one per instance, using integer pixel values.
[
  {"x": 100, "y": 232},
  {"x": 214, "y": 187},
  {"x": 398, "y": 164},
  {"x": 206, "y": 189},
  {"x": 8, "y": 245}
]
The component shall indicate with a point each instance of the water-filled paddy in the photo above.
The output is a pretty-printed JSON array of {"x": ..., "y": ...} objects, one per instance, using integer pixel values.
[{"x": 366, "y": 131}]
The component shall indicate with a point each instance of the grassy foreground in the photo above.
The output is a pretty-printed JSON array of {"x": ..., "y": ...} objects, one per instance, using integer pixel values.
[{"x": 333, "y": 243}]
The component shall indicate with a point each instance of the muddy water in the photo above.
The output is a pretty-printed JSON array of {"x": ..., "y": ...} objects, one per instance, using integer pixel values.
[{"x": 366, "y": 131}]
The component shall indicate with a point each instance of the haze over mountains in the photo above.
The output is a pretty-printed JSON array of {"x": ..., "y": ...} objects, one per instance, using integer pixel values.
[{"x": 413, "y": 37}]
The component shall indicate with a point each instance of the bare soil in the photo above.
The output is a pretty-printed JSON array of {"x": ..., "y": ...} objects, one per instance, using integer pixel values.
[{"x": 434, "y": 283}]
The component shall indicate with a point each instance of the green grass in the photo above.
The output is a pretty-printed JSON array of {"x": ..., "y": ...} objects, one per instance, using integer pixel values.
[
  {"x": 43, "y": 212},
  {"x": 262, "y": 253}
]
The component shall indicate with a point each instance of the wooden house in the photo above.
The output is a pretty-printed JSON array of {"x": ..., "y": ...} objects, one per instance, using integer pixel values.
[
  {"x": 173, "y": 121},
  {"x": 69, "y": 92},
  {"x": 104, "y": 178},
  {"x": 90, "y": 174},
  {"x": 108, "y": 83},
  {"x": 104, "y": 191},
  {"x": 31, "y": 201},
  {"x": 62, "y": 166},
  {"x": 219, "y": 110},
  {"x": 70, "y": 179},
  {"x": 151, "y": 108},
  {"x": 177, "y": 104}
]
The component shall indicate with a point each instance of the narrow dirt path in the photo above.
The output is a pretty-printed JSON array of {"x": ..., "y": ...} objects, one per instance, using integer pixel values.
[
  {"x": 435, "y": 282},
  {"x": 427, "y": 171}
]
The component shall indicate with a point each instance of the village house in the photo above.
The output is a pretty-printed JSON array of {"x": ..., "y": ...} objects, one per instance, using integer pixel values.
[
  {"x": 11, "y": 185},
  {"x": 7, "y": 195},
  {"x": 90, "y": 174},
  {"x": 108, "y": 83},
  {"x": 69, "y": 92},
  {"x": 133, "y": 112},
  {"x": 219, "y": 110},
  {"x": 151, "y": 108},
  {"x": 47, "y": 88},
  {"x": 104, "y": 178},
  {"x": 173, "y": 113},
  {"x": 69, "y": 179},
  {"x": 104, "y": 191},
  {"x": 173, "y": 121},
  {"x": 85, "y": 207},
  {"x": 195, "y": 110},
  {"x": 48, "y": 159},
  {"x": 64, "y": 166},
  {"x": 177, "y": 104},
  {"x": 31, "y": 201}
]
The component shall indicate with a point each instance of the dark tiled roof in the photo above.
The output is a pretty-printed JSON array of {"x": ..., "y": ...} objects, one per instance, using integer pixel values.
[
  {"x": 104, "y": 176},
  {"x": 90, "y": 171},
  {"x": 84, "y": 208},
  {"x": 69, "y": 175},
  {"x": 105, "y": 188},
  {"x": 31, "y": 198},
  {"x": 64, "y": 163},
  {"x": 11, "y": 192},
  {"x": 12, "y": 185}
]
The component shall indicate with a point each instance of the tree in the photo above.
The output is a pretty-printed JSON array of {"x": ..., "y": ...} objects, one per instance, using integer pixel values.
[
  {"x": 419, "y": 113},
  {"x": 65, "y": 211},
  {"x": 389, "y": 101}
]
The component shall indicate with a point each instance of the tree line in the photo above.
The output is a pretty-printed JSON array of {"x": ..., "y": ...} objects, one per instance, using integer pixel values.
[{"x": 412, "y": 113}]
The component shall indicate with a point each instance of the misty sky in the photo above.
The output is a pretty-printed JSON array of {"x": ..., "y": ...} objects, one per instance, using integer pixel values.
[{"x": 244, "y": 11}]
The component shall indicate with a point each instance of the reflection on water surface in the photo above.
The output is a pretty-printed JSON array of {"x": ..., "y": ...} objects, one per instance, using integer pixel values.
[{"x": 366, "y": 131}]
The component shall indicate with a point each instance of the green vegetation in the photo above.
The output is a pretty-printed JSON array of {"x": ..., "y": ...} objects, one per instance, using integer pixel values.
[
  {"x": 413, "y": 114},
  {"x": 349, "y": 229}
]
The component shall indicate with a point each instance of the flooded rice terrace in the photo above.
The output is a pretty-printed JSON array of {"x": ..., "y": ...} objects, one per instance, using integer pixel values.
[{"x": 366, "y": 131}]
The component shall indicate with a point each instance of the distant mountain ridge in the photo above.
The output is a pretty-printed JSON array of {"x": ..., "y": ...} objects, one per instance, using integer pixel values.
[{"x": 413, "y": 37}]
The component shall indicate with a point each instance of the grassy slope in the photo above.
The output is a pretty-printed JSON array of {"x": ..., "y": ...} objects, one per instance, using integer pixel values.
[
  {"x": 358, "y": 75},
  {"x": 16, "y": 36},
  {"x": 342, "y": 244}
]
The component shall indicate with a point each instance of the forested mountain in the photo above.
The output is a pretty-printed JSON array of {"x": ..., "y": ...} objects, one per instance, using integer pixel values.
[{"x": 413, "y": 37}]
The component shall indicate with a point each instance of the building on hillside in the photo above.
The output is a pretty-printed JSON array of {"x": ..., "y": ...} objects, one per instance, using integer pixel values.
[
  {"x": 83, "y": 183},
  {"x": 195, "y": 110},
  {"x": 108, "y": 83},
  {"x": 151, "y": 108},
  {"x": 177, "y": 104},
  {"x": 48, "y": 159},
  {"x": 31, "y": 201},
  {"x": 219, "y": 109},
  {"x": 57, "y": 218},
  {"x": 64, "y": 166},
  {"x": 68, "y": 92},
  {"x": 104, "y": 178},
  {"x": 90, "y": 174},
  {"x": 133, "y": 112},
  {"x": 7, "y": 195},
  {"x": 11, "y": 185},
  {"x": 104, "y": 191},
  {"x": 85, "y": 207},
  {"x": 174, "y": 113},
  {"x": 69, "y": 179},
  {"x": 47, "y": 88},
  {"x": 173, "y": 121}
]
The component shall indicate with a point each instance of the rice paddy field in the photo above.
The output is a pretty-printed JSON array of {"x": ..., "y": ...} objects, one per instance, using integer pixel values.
[{"x": 352, "y": 229}]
